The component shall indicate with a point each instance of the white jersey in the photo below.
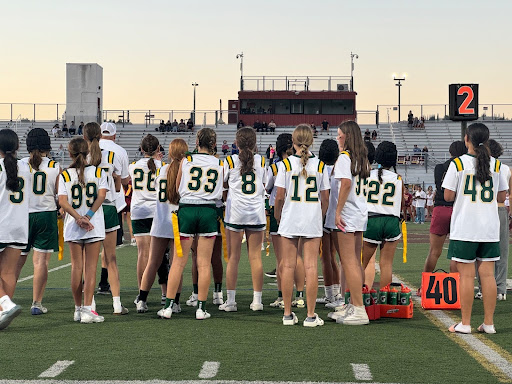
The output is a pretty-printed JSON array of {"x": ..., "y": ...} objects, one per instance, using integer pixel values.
[
  {"x": 333, "y": 198},
  {"x": 355, "y": 211},
  {"x": 107, "y": 164},
  {"x": 302, "y": 211},
  {"x": 162, "y": 222},
  {"x": 384, "y": 198},
  {"x": 14, "y": 206},
  {"x": 144, "y": 189},
  {"x": 269, "y": 183},
  {"x": 246, "y": 193},
  {"x": 44, "y": 181},
  {"x": 201, "y": 179},
  {"x": 421, "y": 199},
  {"x": 475, "y": 210},
  {"x": 120, "y": 162},
  {"x": 82, "y": 199}
]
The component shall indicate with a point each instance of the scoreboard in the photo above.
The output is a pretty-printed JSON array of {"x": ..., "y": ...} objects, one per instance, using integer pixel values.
[{"x": 463, "y": 99}]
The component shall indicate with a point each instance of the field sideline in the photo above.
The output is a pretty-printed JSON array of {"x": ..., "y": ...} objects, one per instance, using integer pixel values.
[{"x": 237, "y": 347}]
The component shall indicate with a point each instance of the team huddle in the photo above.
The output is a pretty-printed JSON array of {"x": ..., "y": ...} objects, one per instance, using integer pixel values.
[{"x": 199, "y": 205}]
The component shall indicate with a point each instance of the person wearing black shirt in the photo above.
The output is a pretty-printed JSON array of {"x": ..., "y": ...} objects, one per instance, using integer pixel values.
[
  {"x": 257, "y": 125},
  {"x": 325, "y": 125},
  {"x": 441, "y": 216}
]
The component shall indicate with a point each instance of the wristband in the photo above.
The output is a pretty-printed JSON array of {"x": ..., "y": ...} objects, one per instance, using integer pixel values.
[{"x": 90, "y": 213}]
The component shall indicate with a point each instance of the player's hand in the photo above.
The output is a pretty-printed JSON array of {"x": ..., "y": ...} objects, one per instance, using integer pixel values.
[
  {"x": 340, "y": 223},
  {"x": 84, "y": 223}
]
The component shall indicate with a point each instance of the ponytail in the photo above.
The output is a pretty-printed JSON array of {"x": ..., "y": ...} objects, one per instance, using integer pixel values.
[
  {"x": 246, "y": 142},
  {"x": 92, "y": 133},
  {"x": 483, "y": 160},
  {"x": 304, "y": 157},
  {"x": 35, "y": 159},
  {"x": 9, "y": 144},
  {"x": 150, "y": 146},
  {"x": 247, "y": 161},
  {"x": 379, "y": 173},
  {"x": 152, "y": 165},
  {"x": 79, "y": 163},
  {"x": 11, "y": 169},
  {"x": 177, "y": 150},
  {"x": 78, "y": 151},
  {"x": 302, "y": 137}
]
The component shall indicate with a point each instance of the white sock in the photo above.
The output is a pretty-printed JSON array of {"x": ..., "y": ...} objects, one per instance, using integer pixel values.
[
  {"x": 328, "y": 291},
  {"x": 93, "y": 304},
  {"x": 231, "y": 296},
  {"x": 256, "y": 297},
  {"x": 335, "y": 289},
  {"x": 87, "y": 307},
  {"x": 78, "y": 307},
  {"x": 6, "y": 303},
  {"x": 116, "y": 303}
]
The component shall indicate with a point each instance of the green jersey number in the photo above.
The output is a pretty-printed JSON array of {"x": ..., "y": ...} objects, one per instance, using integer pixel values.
[
  {"x": 77, "y": 195},
  {"x": 17, "y": 197},
  {"x": 361, "y": 186},
  {"x": 195, "y": 179},
  {"x": 162, "y": 190},
  {"x": 389, "y": 190},
  {"x": 248, "y": 183},
  {"x": 39, "y": 186},
  {"x": 311, "y": 194},
  {"x": 486, "y": 192},
  {"x": 138, "y": 180}
]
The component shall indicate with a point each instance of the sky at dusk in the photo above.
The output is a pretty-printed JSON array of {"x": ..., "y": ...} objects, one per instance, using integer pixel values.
[{"x": 151, "y": 51}]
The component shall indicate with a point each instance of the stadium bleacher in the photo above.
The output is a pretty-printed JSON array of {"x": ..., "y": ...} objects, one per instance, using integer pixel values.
[{"x": 437, "y": 137}]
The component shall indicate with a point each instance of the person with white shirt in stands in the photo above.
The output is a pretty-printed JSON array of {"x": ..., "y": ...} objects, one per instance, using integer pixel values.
[
  {"x": 420, "y": 198},
  {"x": 120, "y": 167}
]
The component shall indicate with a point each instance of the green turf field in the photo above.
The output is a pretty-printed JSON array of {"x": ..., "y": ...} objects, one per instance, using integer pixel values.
[{"x": 248, "y": 345}]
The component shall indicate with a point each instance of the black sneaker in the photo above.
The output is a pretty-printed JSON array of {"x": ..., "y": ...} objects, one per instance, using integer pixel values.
[
  {"x": 103, "y": 290},
  {"x": 271, "y": 274}
]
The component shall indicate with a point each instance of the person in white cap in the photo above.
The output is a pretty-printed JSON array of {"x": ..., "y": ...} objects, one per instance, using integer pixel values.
[{"x": 120, "y": 167}]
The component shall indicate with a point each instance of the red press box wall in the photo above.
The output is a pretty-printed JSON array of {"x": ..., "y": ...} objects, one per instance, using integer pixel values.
[{"x": 294, "y": 119}]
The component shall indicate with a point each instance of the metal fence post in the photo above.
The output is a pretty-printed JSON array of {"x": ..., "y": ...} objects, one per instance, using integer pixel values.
[{"x": 34, "y": 114}]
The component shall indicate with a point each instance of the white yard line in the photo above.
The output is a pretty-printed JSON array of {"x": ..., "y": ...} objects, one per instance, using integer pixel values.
[
  {"x": 209, "y": 370},
  {"x": 362, "y": 371},
  {"x": 57, "y": 368},
  {"x": 50, "y": 270}
]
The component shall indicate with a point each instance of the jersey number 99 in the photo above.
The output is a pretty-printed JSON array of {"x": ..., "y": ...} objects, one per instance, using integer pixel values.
[{"x": 91, "y": 193}]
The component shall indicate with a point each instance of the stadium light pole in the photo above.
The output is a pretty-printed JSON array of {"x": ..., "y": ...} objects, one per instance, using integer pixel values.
[
  {"x": 241, "y": 57},
  {"x": 399, "y": 85},
  {"x": 352, "y": 57},
  {"x": 194, "y": 116}
]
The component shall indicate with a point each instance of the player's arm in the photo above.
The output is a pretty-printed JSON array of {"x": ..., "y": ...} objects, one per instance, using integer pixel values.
[
  {"x": 279, "y": 203},
  {"x": 324, "y": 200},
  {"x": 345, "y": 186},
  {"x": 502, "y": 195},
  {"x": 450, "y": 182}
]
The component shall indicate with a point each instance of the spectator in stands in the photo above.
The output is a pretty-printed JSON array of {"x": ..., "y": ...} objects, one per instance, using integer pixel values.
[
  {"x": 81, "y": 128},
  {"x": 65, "y": 131},
  {"x": 240, "y": 124},
  {"x": 410, "y": 119},
  {"x": 264, "y": 127},
  {"x": 257, "y": 125},
  {"x": 374, "y": 135},
  {"x": 190, "y": 125},
  {"x": 168, "y": 126},
  {"x": 270, "y": 153},
  {"x": 367, "y": 135},
  {"x": 416, "y": 149},
  {"x": 325, "y": 125},
  {"x": 161, "y": 127},
  {"x": 272, "y": 126},
  {"x": 181, "y": 126},
  {"x": 425, "y": 149},
  {"x": 234, "y": 149},
  {"x": 422, "y": 122},
  {"x": 225, "y": 147},
  {"x": 269, "y": 109},
  {"x": 72, "y": 129},
  {"x": 174, "y": 126},
  {"x": 313, "y": 128},
  {"x": 56, "y": 132}
]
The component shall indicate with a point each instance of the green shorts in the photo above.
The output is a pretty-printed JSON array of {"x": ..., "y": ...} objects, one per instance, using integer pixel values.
[
  {"x": 142, "y": 227},
  {"x": 197, "y": 219},
  {"x": 111, "y": 218},
  {"x": 43, "y": 232},
  {"x": 468, "y": 251},
  {"x": 12, "y": 245},
  {"x": 382, "y": 228},
  {"x": 220, "y": 219},
  {"x": 241, "y": 228},
  {"x": 273, "y": 222}
]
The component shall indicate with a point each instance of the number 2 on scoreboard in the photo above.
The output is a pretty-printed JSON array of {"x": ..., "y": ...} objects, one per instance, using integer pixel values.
[
  {"x": 470, "y": 95},
  {"x": 450, "y": 292}
]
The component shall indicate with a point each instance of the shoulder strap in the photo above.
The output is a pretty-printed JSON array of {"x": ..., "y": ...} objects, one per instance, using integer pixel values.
[
  {"x": 321, "y": 166},
  {"x": 458, "y": 164},
  {"x": 287, "y": 165},
  {"x": 98, "y": 172},
  {"x": 497, "y": 166},
  {"x": 273, "y": 167},
  {"x": 66, "y": 176},
  {"x": 230, "y": 162}
]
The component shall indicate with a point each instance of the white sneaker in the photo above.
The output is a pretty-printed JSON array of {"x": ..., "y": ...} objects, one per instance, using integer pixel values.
[
  {"x": 87, "y": 317},
  {"x": 202, "y": 315},
  {"x": 322, "y": 300},
  {"x": 192, "y": 300},
  {"x": 340, "y": 312},
  {"x": 355, "y": 316},
  {"x": 501, "y": 297},
  {"x": 315, "y": 323},
  {"x": 217, "y": 298},
  {"x": 133, "y": 242},
  {"x": 298, "y": 302},
  {"x": 136, "y": 300},
  {"x": 142, "y": 307},
  {"x": 256, "y": 306},
  {"x": 291, "y": 321},
  {"x": 478, "y": 295},
  {"x": 122, "y": 310},
  {"x": 278, "y": 303},
  {"x": 176, "y": 308},
  {"x": 165, "y": 313},
  {"x": 336, "y": 301},
  {"x": 38, "y": 309},
  {"x": 76, "y": 315},
  {"x": 228, "y": 307}
]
